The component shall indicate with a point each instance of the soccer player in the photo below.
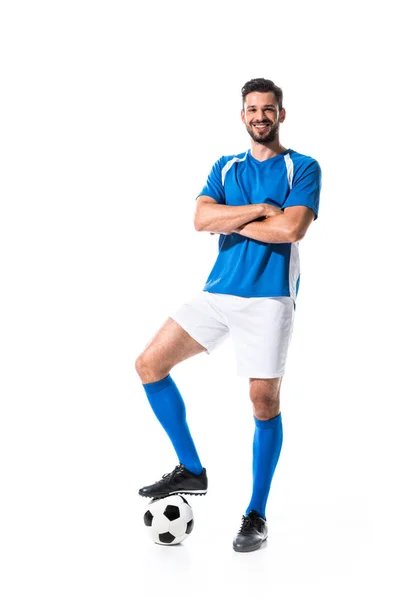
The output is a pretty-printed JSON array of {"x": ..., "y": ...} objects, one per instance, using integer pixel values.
[{"x": 261, "y": 203}]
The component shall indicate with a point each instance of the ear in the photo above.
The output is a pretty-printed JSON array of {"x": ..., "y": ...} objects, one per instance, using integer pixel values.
[
  {"x": 242, "y": 115},
  {"x": 282, "y": 115}
]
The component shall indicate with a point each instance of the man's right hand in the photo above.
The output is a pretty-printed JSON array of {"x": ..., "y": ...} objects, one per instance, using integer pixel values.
[{"x": 270, "y": 210}]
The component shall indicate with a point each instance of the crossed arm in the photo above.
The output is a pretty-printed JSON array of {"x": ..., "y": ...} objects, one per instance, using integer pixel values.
[{"x": 262, "y": 222}]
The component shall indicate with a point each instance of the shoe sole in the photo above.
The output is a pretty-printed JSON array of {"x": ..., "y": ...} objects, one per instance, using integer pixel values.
[
  {"x": 186, "y": 492},
  {"x": 250, "y": 549}
]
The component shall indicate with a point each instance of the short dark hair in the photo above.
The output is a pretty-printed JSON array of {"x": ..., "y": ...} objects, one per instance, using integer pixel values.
[{"x": 262, "y": 85}]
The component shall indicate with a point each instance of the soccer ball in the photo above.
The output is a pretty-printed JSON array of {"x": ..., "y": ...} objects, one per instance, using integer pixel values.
[{"x": 169, "y": 520}]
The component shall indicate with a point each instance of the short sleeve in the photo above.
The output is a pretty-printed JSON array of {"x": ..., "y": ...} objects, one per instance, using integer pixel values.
[
  {"x": 306, "y": 188},
  {"x": 214, "y": 187}
]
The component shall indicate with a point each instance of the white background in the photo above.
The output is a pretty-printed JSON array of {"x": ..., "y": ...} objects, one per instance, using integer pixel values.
[{"x": 111, "y": 117}]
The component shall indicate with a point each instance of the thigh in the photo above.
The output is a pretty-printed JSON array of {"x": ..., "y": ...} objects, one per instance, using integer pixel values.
[
  {"x": 261, "y": 334},
  {"x": 202, "y": 319},
  {"x": 170, "y": 345}
]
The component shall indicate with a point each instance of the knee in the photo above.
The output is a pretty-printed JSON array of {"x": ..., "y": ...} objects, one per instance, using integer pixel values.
[
  {"x": 149, "y": 369},
  {"x": 143, "y": 365},
  {"x": 265, "y": 396},
  {"x": 265, "y": 407}
]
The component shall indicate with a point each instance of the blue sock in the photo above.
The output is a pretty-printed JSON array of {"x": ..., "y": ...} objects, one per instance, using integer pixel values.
[
  {"x": 267, "y": 446},
  {"x": 169, "y": 408}
]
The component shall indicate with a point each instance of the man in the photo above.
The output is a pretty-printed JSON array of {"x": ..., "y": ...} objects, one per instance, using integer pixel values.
[{"x": 261, "y": 202}]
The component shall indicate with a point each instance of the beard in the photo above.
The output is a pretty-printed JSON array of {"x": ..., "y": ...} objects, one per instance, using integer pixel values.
[{"x": 264, "y": 138}]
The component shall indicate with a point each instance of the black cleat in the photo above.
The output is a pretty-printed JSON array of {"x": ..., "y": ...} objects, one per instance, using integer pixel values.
[
  {"x": 252, "y": 533},
  {"x": 180, "y": 481}
]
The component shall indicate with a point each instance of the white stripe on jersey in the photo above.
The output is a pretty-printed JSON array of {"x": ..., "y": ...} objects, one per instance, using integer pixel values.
[
  {"x": 294, "y": 268},
  {"x": 229, "y": 164},
  {"x": 289, "y": 169}
]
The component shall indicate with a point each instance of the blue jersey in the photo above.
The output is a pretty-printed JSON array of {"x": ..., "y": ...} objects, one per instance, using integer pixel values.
[{"x": 246, "y": 267}]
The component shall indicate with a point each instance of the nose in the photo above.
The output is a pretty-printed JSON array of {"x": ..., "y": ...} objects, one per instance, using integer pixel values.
[{"x": 259, "y": 116}]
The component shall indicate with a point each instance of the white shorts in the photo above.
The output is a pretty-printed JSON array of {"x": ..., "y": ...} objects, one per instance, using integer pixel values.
[{"x": 261, "y": 329}]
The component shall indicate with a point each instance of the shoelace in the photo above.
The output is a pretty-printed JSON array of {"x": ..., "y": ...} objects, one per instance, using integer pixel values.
[
  {"x": 247, "y": 524},
  {"x": 177, "y": 469}
]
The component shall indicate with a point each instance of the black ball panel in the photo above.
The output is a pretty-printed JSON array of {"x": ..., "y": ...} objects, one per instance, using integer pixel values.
[
  {"x": 190, "y": 526},
  {"x": 172, "y": 512},
  {"x": 166, "y": 538},
  {"x": 148, "y": 518}
]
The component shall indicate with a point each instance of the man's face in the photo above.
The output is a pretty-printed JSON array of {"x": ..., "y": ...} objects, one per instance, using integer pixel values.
[{"x": 262, "y": 117}]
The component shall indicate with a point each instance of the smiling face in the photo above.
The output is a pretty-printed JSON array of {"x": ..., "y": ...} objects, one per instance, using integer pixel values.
[{"x": 262, "y": 117}]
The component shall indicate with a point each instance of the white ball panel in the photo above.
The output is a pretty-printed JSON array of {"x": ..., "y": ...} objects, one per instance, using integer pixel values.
[
  {"x": 178, "y": 527},
  {"x": 160, "y": 524},
  {"x": 174, "y": 501},
  {"x": 157, "y": 507},
  {"x": 186, "y": 512}
]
